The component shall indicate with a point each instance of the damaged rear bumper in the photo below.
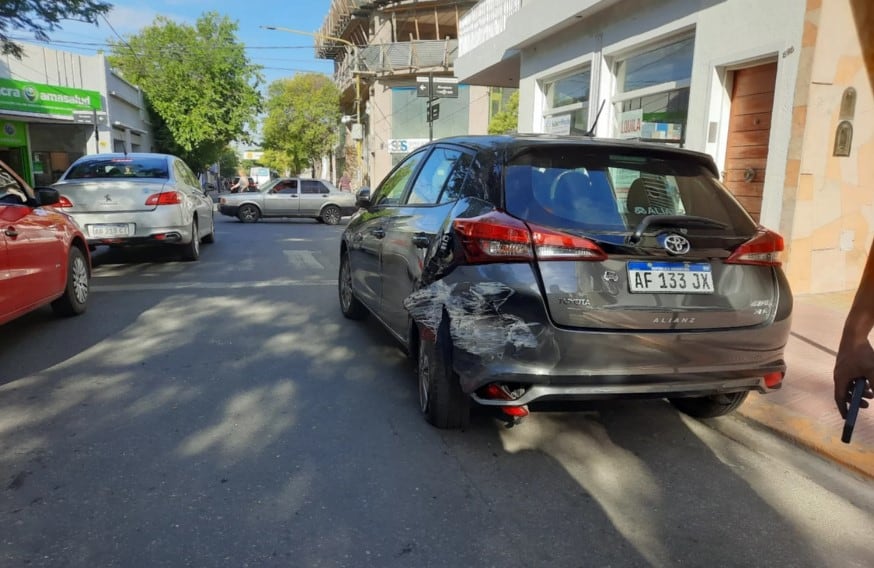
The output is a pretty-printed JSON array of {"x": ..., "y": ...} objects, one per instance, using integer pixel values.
[{"x": 502, "y": 333}]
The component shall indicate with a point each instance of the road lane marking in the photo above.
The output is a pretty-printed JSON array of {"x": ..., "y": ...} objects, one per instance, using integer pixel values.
[
  {"x": 174, "y": 286},
  {"x": 304, "y": 259}
]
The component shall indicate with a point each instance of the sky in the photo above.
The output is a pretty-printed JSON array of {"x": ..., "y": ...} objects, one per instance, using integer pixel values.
[{"x": 281, "y": 54}]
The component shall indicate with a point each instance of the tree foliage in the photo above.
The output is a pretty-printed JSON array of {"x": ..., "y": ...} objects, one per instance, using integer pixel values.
[
  {"x": 43, "y": 16},
  {"x": 303, "y": 114},
  {"x": 507, "y": 119},
  {"x": 200, "y": 85}
]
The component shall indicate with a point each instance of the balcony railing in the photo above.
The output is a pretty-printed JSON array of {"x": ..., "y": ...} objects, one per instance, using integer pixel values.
[
  {"x": 483, "y": 22},
  {"x": 398, "y": 58}
]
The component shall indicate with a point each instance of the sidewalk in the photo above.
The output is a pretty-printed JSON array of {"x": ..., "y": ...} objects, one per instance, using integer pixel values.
[{"x": 804, "y": 410}]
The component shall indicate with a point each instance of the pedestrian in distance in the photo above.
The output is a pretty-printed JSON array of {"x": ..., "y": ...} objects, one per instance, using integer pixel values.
[
  {"x": 345, "y": 182},
  {"x": 855, "y": 358}
]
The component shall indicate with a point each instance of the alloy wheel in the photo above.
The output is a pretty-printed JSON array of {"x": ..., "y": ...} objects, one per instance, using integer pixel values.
[
  {"x": 80, "y": 279},
  {"x": 424, "y": 378},
  {"x": 346, "y": 285}
]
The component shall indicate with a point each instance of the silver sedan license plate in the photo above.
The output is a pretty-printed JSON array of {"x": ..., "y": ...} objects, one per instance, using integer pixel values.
[
  {"x": 670, "y": 277},
  {"x": 110, "y": 230}
]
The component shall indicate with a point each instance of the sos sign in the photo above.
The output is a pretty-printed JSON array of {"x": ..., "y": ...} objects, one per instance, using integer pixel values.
[{"x": 405, "y": 145}]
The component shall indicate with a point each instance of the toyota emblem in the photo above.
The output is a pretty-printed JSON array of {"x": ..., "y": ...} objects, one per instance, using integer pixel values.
[{"x": 675, "y": 244}]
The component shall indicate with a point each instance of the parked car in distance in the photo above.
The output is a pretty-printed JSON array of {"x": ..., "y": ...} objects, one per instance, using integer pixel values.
[
  {"x": 138, "y": 199},
  {"x": 522, "y": 269},
  {"x": 44, "y": 256},
  {"x": 290, "y": 197}
]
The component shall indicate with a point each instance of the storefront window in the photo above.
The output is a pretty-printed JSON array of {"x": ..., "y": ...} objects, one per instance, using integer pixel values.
[
  {"x": 652, "y": 99},
  {"x": 567, "y": 103}
]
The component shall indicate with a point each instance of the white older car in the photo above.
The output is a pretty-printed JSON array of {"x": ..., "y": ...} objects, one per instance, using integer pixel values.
[
  {"x": 290, "y": 197},
  {"x": 138, "y": 198}
]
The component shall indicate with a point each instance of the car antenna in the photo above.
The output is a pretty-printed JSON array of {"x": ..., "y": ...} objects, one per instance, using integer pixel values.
[{"x": 591, "y": 132}]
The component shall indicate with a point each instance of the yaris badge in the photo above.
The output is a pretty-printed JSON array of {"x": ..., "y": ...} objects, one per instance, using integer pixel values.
[{"x": 675, "y": 244}]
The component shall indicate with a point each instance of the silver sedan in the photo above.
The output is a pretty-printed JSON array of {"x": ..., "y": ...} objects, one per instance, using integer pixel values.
[
  {"x": 142, "y": 198},
  {"x": 290, "y": 197}
]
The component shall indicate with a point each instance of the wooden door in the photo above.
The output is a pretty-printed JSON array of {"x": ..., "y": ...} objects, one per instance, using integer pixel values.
[{"x": 749, "y": 128}]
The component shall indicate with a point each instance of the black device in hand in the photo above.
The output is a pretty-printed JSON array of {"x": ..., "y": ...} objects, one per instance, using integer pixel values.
[{"x": 850, "y": 423}]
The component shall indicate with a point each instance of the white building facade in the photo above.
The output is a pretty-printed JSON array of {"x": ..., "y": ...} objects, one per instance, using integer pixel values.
[
  {"x": 780, "y": 93},
  {"x": 56, "y": 106}
]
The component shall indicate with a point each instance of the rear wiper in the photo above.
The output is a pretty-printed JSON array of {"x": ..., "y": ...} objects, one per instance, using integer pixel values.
[{"x": 673, "y": 221}]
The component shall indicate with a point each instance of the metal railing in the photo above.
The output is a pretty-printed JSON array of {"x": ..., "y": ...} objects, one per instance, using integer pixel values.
[
  {"x": 397, "y": 58},
  {"x": 483, "y": 22}
]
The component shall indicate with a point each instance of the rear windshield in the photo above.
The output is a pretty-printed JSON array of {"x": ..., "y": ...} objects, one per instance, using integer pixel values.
[
  {"x": 607, "y": 191},
  {"x": 119, "y": 168}
]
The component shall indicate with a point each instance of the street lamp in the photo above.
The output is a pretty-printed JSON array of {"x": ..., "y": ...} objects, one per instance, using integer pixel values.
[{"x": 354, "y": 49}]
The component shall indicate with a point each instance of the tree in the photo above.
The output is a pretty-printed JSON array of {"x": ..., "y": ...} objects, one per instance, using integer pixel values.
[
  {"x": 229, "y": 162},
  {"x": 199, "y": 83},
  {"x": 43, "y": 16},
  {"x": 303, "y": 114},
  {"x": 507, "y": 119}
]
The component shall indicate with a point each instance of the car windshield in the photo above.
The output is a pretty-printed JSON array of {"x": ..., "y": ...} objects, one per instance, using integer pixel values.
[
  {"x": 120, "y": 167},
  {"x": 608, "y": 191}
]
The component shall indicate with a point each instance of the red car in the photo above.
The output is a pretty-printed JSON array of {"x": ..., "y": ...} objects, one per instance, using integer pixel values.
[{"x": 44, "y": 257}]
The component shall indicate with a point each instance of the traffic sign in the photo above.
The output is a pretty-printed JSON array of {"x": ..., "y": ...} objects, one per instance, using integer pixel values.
[
  {"x": 423, "y": 86},
  {"x": 445, "y": 87},
  {"x": 433, "y": 112}
]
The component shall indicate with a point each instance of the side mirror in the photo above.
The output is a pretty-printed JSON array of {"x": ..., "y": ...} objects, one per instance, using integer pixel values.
[
  {"x": 362, "y": 198},
  {"x": 47, "y": 196}
]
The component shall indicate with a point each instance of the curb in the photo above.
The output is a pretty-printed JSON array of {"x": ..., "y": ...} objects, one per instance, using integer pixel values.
[{"x": 808, "y": 433}]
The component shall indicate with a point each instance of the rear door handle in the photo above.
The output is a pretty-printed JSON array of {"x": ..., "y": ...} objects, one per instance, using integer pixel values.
[
  {"x": 421, "y": 240},
  {"x": 10, "y": 232}
]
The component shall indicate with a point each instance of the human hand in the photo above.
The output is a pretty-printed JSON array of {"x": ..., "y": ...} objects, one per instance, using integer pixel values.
[{"x": 854, "y": 360}]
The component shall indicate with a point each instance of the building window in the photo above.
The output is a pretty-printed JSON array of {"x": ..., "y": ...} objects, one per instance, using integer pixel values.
[
  {"x": 652, "y": 92},
  {"x": 567, "y": 103}
]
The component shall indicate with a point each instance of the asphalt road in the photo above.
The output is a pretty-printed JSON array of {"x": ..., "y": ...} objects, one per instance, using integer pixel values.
[{"x": 224, "y": 413}]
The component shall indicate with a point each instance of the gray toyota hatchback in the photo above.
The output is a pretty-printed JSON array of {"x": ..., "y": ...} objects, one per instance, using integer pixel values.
[{"x": 519, "y": 269}]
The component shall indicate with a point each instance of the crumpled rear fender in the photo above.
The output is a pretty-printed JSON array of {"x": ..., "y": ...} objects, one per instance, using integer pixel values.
[{"x": 495, "y": 312}]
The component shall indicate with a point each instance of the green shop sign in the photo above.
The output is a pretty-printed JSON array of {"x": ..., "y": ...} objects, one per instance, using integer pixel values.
[
  {"x": 22, "y": 96},
  {"x": 12, "y": 134}
]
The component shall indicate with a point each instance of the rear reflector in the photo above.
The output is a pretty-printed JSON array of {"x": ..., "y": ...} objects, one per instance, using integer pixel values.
[
  {"x": 762, "y": 250},
  {"x": 499, "y": 392},
  {"x": 773, "y": 380},
  {"x": 498, "y": 237},
  {"x": 164, "y": 198}
]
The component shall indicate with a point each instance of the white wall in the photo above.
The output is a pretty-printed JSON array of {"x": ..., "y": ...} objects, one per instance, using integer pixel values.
[{"x": 727, "y": 33}]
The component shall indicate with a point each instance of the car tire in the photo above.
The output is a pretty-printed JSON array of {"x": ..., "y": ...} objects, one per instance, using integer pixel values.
[
  {"x": 441, "y": 399},
  {"x": 248, "y": 214},
  {"x": 191, "y": 251},
  {"x": 74, "y": 301},
  {"x": 709, "y": 406},
  {"x": 330, "y": 215},
  {"x": 351, "y": 306}
]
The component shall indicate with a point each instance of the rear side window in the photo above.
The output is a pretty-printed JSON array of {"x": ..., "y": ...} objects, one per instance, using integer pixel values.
[
  {"x": 311, "y": 186},
  {"x": 126, "y": 167},
  {"x": 608, "y": 191}
]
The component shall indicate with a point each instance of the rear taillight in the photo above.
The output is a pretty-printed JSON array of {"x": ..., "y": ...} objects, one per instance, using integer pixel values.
[
  {"x": 762, "y": 250},
  {"x": 64, "y": 201},
  {"x": 164, "y": 198},
  {"x": 551, "y": 245},
  {"x": 498, "y": 237}
]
